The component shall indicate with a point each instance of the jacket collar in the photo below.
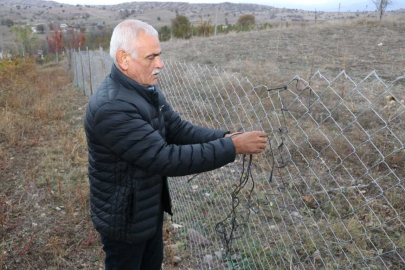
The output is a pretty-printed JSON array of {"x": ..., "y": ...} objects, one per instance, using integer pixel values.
[{"x": 146, "y": 92}]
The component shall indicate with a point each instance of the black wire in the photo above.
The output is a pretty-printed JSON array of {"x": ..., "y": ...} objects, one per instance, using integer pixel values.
[
  {"x": 278, "y": 88},
  {"x": 194, "y": 176},
  {"x": 222, "y": 227},
  {"x": 227, "y": 230},
  {"x": 228, "y": 227}
]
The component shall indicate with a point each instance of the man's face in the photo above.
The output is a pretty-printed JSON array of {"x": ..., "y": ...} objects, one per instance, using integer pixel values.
[{"x": 145, "y": 68}]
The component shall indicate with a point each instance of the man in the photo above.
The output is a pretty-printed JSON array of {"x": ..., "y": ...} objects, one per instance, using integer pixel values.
[{"x": 135, "y": 141}]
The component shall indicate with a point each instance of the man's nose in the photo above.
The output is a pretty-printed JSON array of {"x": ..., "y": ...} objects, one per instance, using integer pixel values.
[{"x": 159, "y": 63}]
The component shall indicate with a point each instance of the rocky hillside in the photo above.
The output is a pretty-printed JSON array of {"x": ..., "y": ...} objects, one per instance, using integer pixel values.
[{"x": 187, "y": 7}]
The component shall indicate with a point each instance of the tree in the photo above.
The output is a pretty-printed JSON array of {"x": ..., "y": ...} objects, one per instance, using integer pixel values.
[
  {"x": 125, "y": 13},
  {"x": 82, "y": 39},
  {"x": 205, "y": 29},
  {"x": 382, "y": 5},
  {"x": 52, "y": 26},
  {"x": 97, "y": 37},
  {"x": 9, "y": 22},
  {"x": 246, "y": 20},
  {"x": 181, "y": 27},
  {"x": 55, "y": 43},
  {"x": 164, "y": 33},
  {"x": 40, "y": 28},
  {"x": 71, "y": 40},
  {"x": 23, "y": 37}
]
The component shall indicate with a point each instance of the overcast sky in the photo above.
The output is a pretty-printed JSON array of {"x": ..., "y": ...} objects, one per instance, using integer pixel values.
[{"x": 326, "y": 5}]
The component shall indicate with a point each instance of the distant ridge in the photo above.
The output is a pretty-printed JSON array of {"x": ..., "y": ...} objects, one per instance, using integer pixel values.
[
  {"x": 142, "y": 6},
  {"x": 32, "y": 3},
  {"x": 187, "y": 7}
]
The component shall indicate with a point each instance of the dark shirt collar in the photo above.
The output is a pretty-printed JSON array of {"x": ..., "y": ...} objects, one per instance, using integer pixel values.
[{"x": 148, "y": 93}]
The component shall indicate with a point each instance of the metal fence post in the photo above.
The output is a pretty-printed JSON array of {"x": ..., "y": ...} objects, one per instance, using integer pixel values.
[
  {"x": 90, "y": 81},
  {"x": 102, "y": 61},
  {"x": 77, "y": 72},
  {"x": 81, "y": 64}
]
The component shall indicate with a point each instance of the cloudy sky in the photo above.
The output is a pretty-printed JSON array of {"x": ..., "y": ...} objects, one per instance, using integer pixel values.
[{"x": 326, "y": 5}]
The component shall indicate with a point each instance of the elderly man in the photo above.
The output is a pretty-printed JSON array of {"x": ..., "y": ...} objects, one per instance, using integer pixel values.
[{"x": 135, "y": 141}]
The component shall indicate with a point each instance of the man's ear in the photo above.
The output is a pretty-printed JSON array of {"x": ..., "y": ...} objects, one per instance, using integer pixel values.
[{"x": 122, "y": 60}]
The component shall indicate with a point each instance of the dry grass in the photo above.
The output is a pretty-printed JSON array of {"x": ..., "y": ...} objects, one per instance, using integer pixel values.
[
  {"x": 348, "y": 169},
  {"x": 44, "y": 193},
  {"x": 274, "y": 56},
  {"x": 355, "y": 225},
  {"x": 44, "y": 207}
]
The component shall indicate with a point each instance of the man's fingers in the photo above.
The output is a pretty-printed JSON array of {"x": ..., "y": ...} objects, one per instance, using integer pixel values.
[{"x": 252, "y": 142}]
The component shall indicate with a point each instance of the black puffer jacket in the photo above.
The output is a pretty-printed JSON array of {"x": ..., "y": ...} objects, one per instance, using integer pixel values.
[{"x": 135, "y": 140}]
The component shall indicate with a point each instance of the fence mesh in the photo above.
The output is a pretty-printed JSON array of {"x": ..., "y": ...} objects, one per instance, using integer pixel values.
[{"x": 326, "y": 193}]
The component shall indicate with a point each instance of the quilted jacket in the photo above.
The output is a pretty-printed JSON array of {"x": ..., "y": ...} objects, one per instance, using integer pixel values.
[{"x": 135, "y": 141}]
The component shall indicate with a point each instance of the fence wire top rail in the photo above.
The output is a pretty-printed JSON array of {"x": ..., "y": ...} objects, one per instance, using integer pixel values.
[{"x": 327, "y": 193}]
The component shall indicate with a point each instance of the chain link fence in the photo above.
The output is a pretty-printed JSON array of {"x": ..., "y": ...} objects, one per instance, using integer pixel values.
[{"x": 328, "y": 191}]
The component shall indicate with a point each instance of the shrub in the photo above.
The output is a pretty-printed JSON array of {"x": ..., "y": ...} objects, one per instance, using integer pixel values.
[
  {"x": 181, "y": 27},
  {"x": 246, "y": 20}
]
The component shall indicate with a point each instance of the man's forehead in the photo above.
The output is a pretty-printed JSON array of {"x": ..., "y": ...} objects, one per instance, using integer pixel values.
[{"x": 148, "y": 44}]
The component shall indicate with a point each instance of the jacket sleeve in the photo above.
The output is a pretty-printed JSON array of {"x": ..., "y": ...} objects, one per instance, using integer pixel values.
[
  {"x": 182, "y": 132},
  {"x": 120, "y": 127}
]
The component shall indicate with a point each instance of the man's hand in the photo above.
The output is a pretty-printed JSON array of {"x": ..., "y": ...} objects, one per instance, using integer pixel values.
[{"x": 249, "y": 142}]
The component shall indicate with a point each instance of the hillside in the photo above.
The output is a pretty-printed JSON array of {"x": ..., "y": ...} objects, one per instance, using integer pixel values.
[
  {"x": 158, "y": 14},
  {"x": 273, "y": 57}
]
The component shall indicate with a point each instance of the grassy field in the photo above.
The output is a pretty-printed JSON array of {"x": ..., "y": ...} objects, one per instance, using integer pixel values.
[
  {"x": 44, "y": 208},
  {"x": 341, "y": 202},
  {"x": 275, "y": 56}
]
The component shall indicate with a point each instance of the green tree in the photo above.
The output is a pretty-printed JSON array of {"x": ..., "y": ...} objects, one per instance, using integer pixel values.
[
  {"x": 181, "y": 27},
  {"x": 164, "y": 33},
  {"x": 205, "y": 29},
  {"x": 24, "y": 38},
  {"x": 246, "y": 21},
  {"x": 40, "y": 28},
  {"x": 9, "y": 23}
]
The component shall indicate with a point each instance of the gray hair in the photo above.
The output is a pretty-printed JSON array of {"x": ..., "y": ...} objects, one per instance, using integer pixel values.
[{"x": 125, "y": 35}]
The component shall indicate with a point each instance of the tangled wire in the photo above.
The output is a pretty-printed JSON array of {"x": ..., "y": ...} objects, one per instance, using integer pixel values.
[
  {"x": 223, "y": 227},
  {"x": 227, "y": 229}
]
